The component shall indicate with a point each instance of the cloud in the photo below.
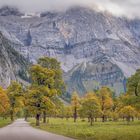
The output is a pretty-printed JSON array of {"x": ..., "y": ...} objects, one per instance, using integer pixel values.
[{"x": 129, "y": 8}]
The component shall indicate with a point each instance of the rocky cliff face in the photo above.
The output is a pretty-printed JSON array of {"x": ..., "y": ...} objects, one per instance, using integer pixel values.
[
  {"x": 8, "y": 11},
  {"x": 94, "y": 48},
  {"x": 12, "y": 64}
]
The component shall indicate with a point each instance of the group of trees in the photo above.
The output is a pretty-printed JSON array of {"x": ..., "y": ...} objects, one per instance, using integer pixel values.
[
  {"x": 93, "y": 105},
  {"x": 103, "y": 104},
  {"x": 11, "y": 100},
  {"x": 41, "y": 98},
  {"x": 38, "y": 99}
]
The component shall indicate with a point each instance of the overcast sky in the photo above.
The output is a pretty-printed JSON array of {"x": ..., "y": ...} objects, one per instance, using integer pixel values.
[{"x": 130, "y": 8}]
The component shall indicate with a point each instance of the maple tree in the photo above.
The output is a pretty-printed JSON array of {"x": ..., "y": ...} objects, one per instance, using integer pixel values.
[
  {"x": 106, "y": 101},
  {"x": 91, "y": 107},
  {"x": 127, "y": 112},
  {"x": 15, "y": 92},
  {"x": 75, "y": 103},
  {"x": 4, "y": 102}
]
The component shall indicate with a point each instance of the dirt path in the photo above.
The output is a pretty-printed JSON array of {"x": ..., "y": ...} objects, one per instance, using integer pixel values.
[{"x": 20, "y": 130}]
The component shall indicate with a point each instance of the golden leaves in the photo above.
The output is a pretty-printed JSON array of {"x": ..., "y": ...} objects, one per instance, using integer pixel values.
[{"x": 4, "y": 101}]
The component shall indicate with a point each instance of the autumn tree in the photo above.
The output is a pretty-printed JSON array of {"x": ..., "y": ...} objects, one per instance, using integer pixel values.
[
  {"x": 14, "y": 93},
  {"x": 4, "y": 102},
  {"x": 132, "y": 97},
  {"x": 81, "y": 112},
  {"x": 57, "y": 110},
  {"x": 117, "y": 104},
  {"x": 133, "y": 84},
  {"x": 61, "y": 111},
  {"x": 53, "y": 65},
  {"x": 67, "y": 112},
  {"x": 127, "y": 112},
  {"x": 26, "y": 102},
  {"x": 41, "y": 89},
  {"x": 75, "y": 102},
  {"x": 106, "y": 102},
  {"x": 91, "y": 107},
  {"x": 47, "y": 82}
]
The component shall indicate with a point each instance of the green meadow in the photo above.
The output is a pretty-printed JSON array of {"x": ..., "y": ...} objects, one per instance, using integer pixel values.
[
  {"x": 81, "y": 130},
  {"x": 4, "y": 122}
]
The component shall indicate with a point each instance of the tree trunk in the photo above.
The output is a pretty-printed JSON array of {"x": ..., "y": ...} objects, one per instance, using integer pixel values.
[
  {"x": 103, "y": 118},
  {"x": 37, "y": 119},
  {"x": 91, "y": 121},
  {"x": 75, "y": 114},
  {"x": 44, "y": 116},
  {"x": 88, "y": 119},
  {"x": 12, "y": 115},
  {"x": 26, "y": 117},
  {"x": 128, "y": 120},
  {"x": 136, "y": 93}
]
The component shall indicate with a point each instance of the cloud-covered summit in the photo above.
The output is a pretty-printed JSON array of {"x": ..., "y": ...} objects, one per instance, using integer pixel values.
[{"x": 129, "y": 8}]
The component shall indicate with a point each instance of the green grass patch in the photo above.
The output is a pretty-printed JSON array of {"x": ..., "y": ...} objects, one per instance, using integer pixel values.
[
  {"x": 99, "y": 131},
  {"x": 4, "y": 122}
]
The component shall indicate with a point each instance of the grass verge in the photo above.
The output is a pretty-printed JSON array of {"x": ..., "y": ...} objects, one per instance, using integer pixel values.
[
  {"x": 99, "y": 131},
  {"x": 4, "y": 122}
]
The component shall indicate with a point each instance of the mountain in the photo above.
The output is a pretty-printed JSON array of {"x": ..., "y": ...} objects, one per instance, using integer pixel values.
[
  {"x": 94, "y": 48},
  {"x": 8, "y": 11},
  {"x": 13, "y": 66}
]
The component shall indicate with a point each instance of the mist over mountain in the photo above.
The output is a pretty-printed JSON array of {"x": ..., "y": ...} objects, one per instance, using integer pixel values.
[
  {"x": 127, "y": 8},
  {"x": 94, "y": 48}
]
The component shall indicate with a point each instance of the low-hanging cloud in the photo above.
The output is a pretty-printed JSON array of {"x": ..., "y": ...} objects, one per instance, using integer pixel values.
[{"x": 129, "y": 8}]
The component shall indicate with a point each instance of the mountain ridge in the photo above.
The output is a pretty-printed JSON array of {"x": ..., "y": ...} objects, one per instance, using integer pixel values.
[{"x": 93, "y": 47}]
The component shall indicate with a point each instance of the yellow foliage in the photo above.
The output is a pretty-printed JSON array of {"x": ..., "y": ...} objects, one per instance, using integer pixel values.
[
  {"x": 75, "y": 101},
  {"x": 105, "y": 98},
  {"x": 128, "y": 111},
  {"x": 4, "y": 101},
  {"x": 91, "y": 105}
]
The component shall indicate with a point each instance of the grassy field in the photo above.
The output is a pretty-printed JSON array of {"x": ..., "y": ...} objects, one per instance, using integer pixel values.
[
  {"x": 4, "y": 122},
  {"x": 99, "y": 131}
]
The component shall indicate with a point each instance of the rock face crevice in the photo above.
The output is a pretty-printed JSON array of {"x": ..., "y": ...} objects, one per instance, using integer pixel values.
[
  {"x": 11, "y": 62},
  {"x": 95, "y": 49}
]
